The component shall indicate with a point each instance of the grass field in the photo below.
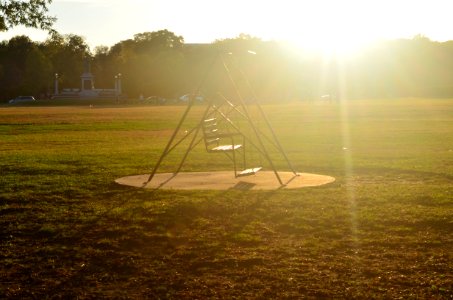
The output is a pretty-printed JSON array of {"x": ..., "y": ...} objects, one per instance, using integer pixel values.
[{"x": 384, "y": 229}]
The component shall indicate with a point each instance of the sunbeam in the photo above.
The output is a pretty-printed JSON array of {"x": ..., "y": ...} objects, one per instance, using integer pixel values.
[{"x": 347, "y": 149}]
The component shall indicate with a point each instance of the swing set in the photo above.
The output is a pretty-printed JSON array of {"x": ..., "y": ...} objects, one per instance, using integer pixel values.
[{"x": 227, "y": 126}]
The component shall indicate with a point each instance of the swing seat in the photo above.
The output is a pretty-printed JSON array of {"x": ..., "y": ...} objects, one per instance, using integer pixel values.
[
  {"x": 248, "y": 172},
  {"x": 213, "y": 138},
  {"x": 225, "y": 148}
]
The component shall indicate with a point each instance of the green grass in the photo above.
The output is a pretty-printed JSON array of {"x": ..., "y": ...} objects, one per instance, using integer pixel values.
[{"x": 384, "y": 229}]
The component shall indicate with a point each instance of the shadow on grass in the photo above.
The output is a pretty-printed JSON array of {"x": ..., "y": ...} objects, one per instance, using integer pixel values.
[
  {"x": 161, "y": 244},
  {"x": 119, "y": 243}
]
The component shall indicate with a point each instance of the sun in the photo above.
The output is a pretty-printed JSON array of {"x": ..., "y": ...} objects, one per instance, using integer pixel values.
[
  {"x": 341, "y": 34},
  {"x": 330, "y": 27},
  {"x": 334, "y": 42}
]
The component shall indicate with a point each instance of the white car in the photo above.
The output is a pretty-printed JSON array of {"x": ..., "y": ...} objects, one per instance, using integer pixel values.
[
  {"x": 22, "y": 99},
  {"x": 186, "y": 97}
]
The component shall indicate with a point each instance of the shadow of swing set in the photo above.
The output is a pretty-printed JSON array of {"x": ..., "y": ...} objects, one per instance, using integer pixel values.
[{"x": 228, "y": 127}]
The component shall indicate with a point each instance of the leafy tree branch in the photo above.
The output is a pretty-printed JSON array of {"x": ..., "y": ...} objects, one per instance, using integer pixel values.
[{"x": 31, "y": 13}]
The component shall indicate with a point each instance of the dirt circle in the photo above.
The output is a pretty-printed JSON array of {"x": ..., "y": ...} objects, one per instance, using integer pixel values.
[{"x": 225, "y": 180}]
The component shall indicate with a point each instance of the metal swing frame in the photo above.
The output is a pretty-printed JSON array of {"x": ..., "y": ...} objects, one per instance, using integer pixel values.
[{"x": 229, "y": 149}]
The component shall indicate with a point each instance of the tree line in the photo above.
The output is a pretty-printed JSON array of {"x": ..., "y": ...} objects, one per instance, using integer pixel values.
[{"x": 161, "y": 64}]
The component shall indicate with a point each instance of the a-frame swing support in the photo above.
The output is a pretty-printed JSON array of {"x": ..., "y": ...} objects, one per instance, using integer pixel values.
[{"x": 260, "y": 146}]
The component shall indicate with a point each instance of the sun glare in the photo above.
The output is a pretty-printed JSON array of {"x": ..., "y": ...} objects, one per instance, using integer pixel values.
[
  {"x": 333, "y": 43},
  {"x": 331, "y": 27},
  {"x": 337, "y": 28},
  {"x": 339, "y": 35}
]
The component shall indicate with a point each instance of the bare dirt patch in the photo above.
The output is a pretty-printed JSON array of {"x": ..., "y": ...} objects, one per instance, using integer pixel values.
[{"x": 224, "y": 180}]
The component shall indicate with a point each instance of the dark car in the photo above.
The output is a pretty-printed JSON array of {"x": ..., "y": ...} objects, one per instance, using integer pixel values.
[{"x": 22, "y": 99}]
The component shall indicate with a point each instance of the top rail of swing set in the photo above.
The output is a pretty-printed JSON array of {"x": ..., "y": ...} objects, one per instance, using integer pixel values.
[{"x": 173, "y": 142}]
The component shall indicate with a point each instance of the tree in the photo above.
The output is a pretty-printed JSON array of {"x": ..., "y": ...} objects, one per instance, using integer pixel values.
[
  {"x": 37, "y": 73},
  {"x": 161, "y": 40},
  {"x": 31, "y": 13},
  {"x": 25, "y": 68},
  {"x": 150, "y": 63},
  {"x": 67, "y": 52}
]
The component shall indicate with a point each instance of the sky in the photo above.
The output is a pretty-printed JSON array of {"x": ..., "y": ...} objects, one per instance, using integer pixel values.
[{"x": 309, "y": 23}]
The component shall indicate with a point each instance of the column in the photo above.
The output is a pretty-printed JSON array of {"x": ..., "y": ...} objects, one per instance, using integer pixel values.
[{"x": 56, "y": 84}]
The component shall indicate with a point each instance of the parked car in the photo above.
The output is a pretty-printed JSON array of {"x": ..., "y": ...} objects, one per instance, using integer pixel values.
[
  {"x": 155, "y": 100},
  {"x": 187, "y": 97},
  {"x": 22, "y": 99}
]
